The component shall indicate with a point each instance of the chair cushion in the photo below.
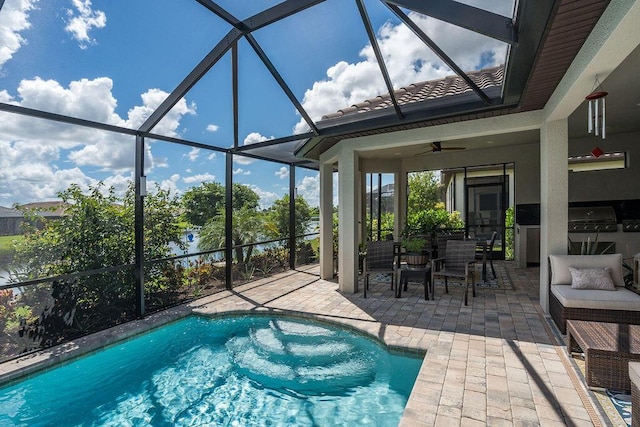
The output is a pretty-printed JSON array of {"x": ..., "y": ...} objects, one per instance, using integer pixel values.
[
  {"x": 620, "y": 299},
  {"x": 634, "y": 373},
  {"x": 560, "y": 274},
  {"x": 592, "y": 278}
]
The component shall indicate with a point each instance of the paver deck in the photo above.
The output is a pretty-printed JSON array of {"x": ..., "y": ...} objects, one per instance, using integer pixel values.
[{"x": 496, "y": 361}]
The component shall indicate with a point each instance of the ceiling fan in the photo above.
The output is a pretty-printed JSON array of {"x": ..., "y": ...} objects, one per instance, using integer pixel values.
[{"x": 437, "y": 147}]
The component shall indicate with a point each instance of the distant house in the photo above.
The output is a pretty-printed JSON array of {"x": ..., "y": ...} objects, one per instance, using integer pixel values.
[{"x": 11, "y": 219}]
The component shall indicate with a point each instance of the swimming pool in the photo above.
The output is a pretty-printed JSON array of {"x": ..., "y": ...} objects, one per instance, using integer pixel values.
[{"x": 241, "y": 370}]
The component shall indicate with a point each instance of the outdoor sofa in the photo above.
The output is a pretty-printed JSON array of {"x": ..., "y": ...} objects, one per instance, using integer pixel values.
[{"x": 577, "y": 290}]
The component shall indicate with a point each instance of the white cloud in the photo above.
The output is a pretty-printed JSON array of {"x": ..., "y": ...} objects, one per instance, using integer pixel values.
[
  {"x": 151, "y": 100},
  {"x": 193, "y": 154},
  {"x": 407, "y": 60},
  {"x": 309, "y": 189},
  {"x": 282, "y": 173},
  {"x": 252, "y": 138},
  {"x": 199, "y": 178},
  {"x": 170, "y": 184},
  {"x": 120, "y": 183},
  {"x": 212, "y": 128},
  {"x": 211, "y": 156},
  {"x": 13, "y": 20},
  {"x": 266, "y": 197},
  {"x": 34, "y": 180},
  {"x": 241, "y": 171},
  {"x": 82, "y": 20},
  {"x": 39, "y": 149}
]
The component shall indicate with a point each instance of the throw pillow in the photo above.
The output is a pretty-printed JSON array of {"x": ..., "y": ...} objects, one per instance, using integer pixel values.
[{"x": 592, "y": 278}]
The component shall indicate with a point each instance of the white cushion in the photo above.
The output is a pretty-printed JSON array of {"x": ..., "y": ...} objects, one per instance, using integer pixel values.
[
  {"x": 592, "y": 278},
  {"x": 560, "y": 274},
  {"x": 621, "y": 299},
  {"x": 634, "y": 373}
]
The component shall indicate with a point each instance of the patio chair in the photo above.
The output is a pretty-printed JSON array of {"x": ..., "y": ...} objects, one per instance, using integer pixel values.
[
  {"x": 490, "y": 252},
  {"x": 441, "y": 240},
  {"x": 380, "y": 259},
  {"x": 458, "y": 264},
  {"x": 486, "y": 254}
]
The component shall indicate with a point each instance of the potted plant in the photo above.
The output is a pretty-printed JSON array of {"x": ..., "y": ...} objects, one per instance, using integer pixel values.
[{"x": 416, "y": 251}]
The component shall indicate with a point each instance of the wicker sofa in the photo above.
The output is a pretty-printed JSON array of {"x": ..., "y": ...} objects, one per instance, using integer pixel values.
[
  {"x": 565, "y": 302},
  {"x": 634, "y": 378}
]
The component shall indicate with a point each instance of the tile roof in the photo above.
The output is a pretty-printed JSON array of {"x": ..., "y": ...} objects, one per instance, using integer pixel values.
[{"x": 427, "y": 90}]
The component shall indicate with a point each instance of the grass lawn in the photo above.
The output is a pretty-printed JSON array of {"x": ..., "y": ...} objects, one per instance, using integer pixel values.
[{"x": 6, "y": 248}]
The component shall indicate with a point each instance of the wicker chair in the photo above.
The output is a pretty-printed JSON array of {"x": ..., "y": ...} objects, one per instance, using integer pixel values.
[
  {"x": 442, "y": 239},
  {"x": 458, "y": 263},
  {"x": 380, "y": 259},
  {"x": 488, "y": 256}
]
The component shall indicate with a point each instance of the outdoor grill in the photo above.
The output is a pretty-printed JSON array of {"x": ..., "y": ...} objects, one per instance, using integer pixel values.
[{"x": 592, "y": 218}]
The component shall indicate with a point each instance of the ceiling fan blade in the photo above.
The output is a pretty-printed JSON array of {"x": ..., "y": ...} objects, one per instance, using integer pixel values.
[{"x": 436, "y": 147}]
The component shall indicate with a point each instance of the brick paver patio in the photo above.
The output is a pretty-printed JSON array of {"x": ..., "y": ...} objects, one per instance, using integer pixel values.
[{"x": 496, "y": 361}]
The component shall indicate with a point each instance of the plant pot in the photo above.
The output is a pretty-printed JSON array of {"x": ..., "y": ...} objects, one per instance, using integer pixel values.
[{"x": 417, "y": 260}]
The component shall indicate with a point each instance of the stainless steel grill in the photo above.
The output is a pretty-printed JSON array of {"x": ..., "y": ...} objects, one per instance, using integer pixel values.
[{"x": 591, "y": 219}]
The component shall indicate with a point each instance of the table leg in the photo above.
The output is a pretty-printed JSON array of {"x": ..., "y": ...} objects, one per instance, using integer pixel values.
[
  {"x": 399, "y": 287},
  {"x": 484, "y": 262},
  {"x": 427, "y": 284}
]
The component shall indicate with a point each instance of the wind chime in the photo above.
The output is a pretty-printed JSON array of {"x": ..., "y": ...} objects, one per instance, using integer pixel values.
[
  {"x": 597, "y": 107},
  {"x": 597, "y": 114}
]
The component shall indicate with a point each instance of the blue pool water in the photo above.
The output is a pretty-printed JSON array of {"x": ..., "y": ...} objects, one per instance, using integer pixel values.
[{"x": 244, "y": 371}]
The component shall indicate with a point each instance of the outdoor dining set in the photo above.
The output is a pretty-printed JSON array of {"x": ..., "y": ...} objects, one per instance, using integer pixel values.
[{"x": 448, "y": 257}]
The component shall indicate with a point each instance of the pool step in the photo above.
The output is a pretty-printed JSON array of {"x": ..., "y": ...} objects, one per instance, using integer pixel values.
[{"x": 306, "y": 359}]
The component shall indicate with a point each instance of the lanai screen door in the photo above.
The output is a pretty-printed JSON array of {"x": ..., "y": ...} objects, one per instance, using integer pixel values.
[{"x": 486, "y": 203}]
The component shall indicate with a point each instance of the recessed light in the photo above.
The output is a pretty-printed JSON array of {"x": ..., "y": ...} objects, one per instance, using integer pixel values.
[
  {"x": 490, "y": 142},
  {"x": 397, "y": 154}
]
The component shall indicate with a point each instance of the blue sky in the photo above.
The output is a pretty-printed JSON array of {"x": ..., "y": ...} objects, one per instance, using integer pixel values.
[{"x": 115, "y": 62}]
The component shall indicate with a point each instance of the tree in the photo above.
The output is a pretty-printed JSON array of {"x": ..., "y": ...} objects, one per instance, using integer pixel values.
[
  {"x": 425, "y": 191},
  {"x": 95, "y": 232},
  {"x": 278, "y": 217},
  {"x": 206, "y": 201},
  {"x": 247, "y": 228}
]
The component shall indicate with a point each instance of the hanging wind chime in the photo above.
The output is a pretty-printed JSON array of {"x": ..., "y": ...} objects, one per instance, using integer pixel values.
[{"x": 597, "y": 107}]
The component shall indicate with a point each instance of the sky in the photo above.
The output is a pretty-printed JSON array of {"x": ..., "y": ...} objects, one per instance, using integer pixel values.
[{"x": 115, "y": 62}]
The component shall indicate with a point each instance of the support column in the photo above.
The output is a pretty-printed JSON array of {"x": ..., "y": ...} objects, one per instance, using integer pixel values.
[
  {"x": 140, "y": 186},
  {"x": 399, "y": 203},
  {"x": 348, "y": 220},
  {"x": 554, "y": 198},
  {"x": 292, "y": 217},
  {"x": 326, "y": 221},
  {"x": 228, "y": 221}
]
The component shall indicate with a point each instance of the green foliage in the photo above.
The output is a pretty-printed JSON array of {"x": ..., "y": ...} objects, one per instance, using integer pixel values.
[
  {"x": 277, "y": 225},
  {"x": 270, "y": 259},
  {"x": 305, "y": 253},
  {"x": 96, "y": 231},
  {"x": 414, "y": 244},
  {"x": 425, "y": 191},
  {"x": 509, "y": 251},
  {"x": 429, "y": 220},
  {"x": 386, "y": 225},
  {"x": 206, "y": 201},
  {"x": 248, "y": 225}
]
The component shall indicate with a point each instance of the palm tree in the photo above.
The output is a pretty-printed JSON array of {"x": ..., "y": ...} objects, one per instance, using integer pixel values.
[{"x": 246, "y": 229}]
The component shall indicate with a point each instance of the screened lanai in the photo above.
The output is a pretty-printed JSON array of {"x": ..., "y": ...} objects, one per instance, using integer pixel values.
[{"x": 180, "y": 140}]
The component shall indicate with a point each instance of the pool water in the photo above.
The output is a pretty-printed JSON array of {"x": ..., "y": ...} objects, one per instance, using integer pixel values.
[{"x": 244, "y": 371}]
